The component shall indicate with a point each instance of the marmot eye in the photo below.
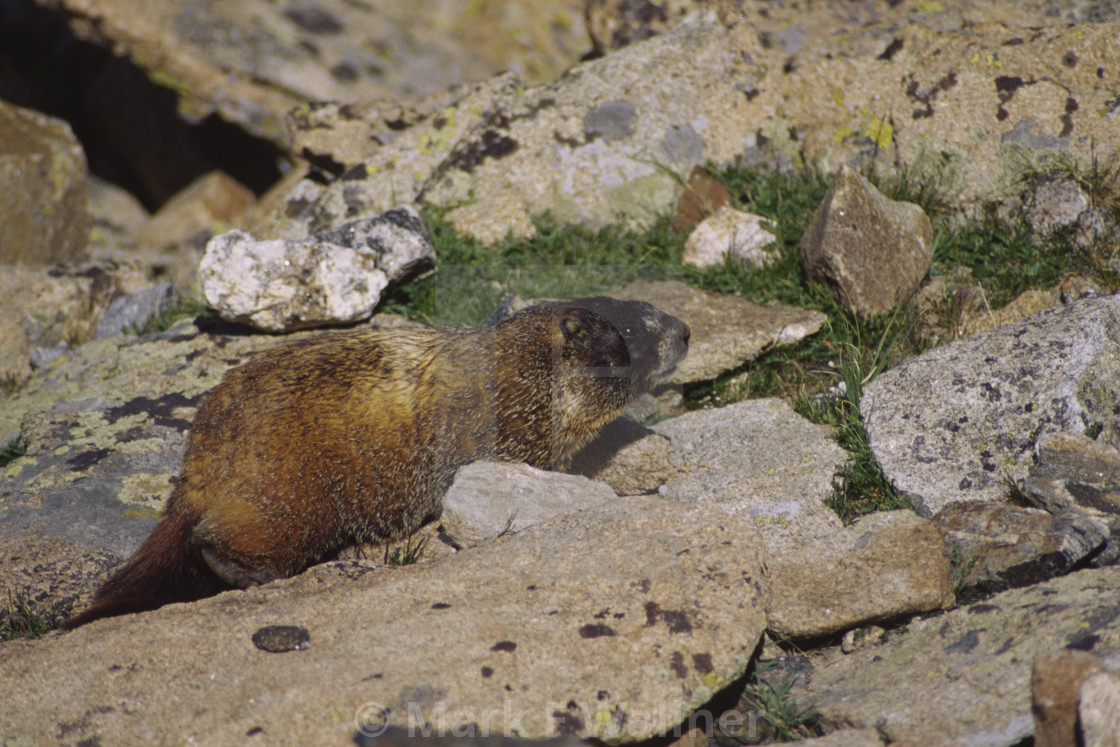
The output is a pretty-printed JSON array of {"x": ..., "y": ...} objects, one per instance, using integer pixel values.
[{"x": 626, "y": 331}]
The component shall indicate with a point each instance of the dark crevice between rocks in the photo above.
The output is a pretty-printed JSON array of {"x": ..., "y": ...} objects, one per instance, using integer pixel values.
[{"x": 129, "y": 127}]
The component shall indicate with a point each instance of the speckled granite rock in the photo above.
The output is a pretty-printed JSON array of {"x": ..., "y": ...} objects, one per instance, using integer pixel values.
[
  {"x": 553, "y": 625},
  {"x": 998, "y": 394},
  {"x": 250, "y": 62},
  {"x": 964, "y": 677}
]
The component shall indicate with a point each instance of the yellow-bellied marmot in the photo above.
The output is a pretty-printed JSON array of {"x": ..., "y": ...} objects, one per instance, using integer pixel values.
[{"x": 349, "y": 437}]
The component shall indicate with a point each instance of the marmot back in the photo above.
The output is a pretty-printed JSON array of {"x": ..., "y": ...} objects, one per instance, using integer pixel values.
[{"x": 350, "y": 437}]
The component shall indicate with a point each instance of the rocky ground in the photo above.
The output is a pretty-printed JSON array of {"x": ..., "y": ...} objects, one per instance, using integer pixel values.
[{"x": 690, "y": 582}]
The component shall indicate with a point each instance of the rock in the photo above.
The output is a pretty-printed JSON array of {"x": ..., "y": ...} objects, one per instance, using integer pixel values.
[
  {"x": 729, "y": 233},
  {"x": 884, "y": 567},
  {"x": 873, "y": 252},
  {"x": 492, "y": 218},
  {"x": 48, "y": 576},
  {"x": 57, "y": 309},
  {"x": 858, "y": 638},
  {"x": 846, "y": 738},
  {"x": 587, "y": 147},
  {"x": 1003, "y": 547},
  {"x": 44, "y": 357},
  {"x": 43, "y": 191},
  {"x": 133, "y": 311},
  {"x": 252, "y": 63},
  {"x": 50, "y": 308},
  {"x": 335, "y": 278},
  {"x": 1055, "y": 204},
  {"x": 105, "y": 431},
  {"x": 946, "y": 300},
  {"x": 997, "y": 395},
  {"x": 1075, "y": 471},
  {"x": 280, "y": 639},
  {"x": 210, "y": 205},
  {"x": 1056, "y": 679},
  {"x": 703, "y": 196},
  {"x": 727, "y": 331},
  {"x": 1077, "y": 287},
  {"x": 1056, "y": 207},
  {"x": 117, "y": 216},
  {"x": 597, "y": 147},
  {"x": 555, "y": 628},
  {"x": 488, "y": 499},
  {"x": 1026, "y": 304},
  {"x": 761, "y": 460},
  {"x": 1098, "y": 710},
  {"x": 614, "y": 24},
  {"x": 630, "y": 458},
  {"x": 963, "y": 677},
  {"x": 262, "y": 283}
]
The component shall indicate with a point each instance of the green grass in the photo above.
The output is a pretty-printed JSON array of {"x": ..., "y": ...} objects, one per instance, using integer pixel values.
[
  {"x": 408, "y": 553},
  {"x": 558, "y": 262},
  {"x": 21, "y": 620},
  {"x": 13, "y": 451},
  {"x": 784, "y": 720},
  {"x": 183, "y": 308}
]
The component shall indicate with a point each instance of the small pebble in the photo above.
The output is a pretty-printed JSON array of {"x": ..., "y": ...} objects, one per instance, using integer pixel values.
[{"x": 277, "y": 639}]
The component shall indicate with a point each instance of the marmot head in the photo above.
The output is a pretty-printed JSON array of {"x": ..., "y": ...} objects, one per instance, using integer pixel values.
[
  {"x": 655, "y": 341},
  {"x": 600, "y": 355}
]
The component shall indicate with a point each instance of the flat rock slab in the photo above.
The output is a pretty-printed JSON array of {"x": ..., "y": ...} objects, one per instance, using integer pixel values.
[
  {"x": 614, "y": 623},
  {"x": 760, "y": 460},
  {"x": 964, "y": 677},
  {"x": 727, "y": 331},
  {"x": 105, "y": 431},
  {"x": 251, "y": 62},
  {"x": 491, "y": 498},
  {"x": 884, "y": 567},
  {"x": 597, "y": 146},
  {"x": 994, "y": 396}
]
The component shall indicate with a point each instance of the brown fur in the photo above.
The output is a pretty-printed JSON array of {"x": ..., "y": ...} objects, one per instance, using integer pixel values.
[{"x": 350, "y": 437}]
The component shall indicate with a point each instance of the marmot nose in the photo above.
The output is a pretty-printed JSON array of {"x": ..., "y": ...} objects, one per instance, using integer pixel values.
[{"x": 686, "y": 333}]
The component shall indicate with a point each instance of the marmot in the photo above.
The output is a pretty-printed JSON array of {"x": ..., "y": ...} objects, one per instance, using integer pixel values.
[{"x": 350, "y": 437}]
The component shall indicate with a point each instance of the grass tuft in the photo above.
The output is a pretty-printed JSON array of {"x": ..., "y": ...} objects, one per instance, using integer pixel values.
[
  {"x": 407, "y": 554},
  {"x": 787, "y": 720},
  {"x": 16, "y": 448},
  {"x": 21, "y": 620},
  {"x": 183, "y": 308}
]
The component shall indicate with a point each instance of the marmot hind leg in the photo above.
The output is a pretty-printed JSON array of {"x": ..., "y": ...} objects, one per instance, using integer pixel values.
[
  {"x": 240, "y": 546},
  {"x": 237, "y": 576}
]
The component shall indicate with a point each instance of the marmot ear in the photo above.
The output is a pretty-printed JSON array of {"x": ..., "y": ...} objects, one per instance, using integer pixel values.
[{"x": 572, "y": 324}]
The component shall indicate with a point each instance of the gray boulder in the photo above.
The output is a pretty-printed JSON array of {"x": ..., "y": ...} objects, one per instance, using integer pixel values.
[
  {"x": 961, "y": 421},
  {"x": 964, "y": 677}
]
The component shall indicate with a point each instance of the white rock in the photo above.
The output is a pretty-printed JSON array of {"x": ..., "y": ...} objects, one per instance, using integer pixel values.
[
  {"x": 1098, "y": 710},
  {"x": 334, "y": 277},
  {"x": 280, "y": 285},
  {"x": 491, "y": 498},
  {"x": 729, "y": 232}
]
